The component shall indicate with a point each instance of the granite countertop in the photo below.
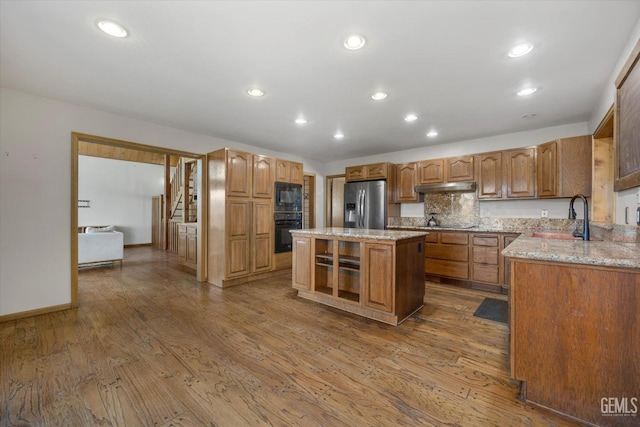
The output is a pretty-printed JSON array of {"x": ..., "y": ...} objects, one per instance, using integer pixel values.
[
  {"x": 474, "y": 228},
  {"x": 594, "y": 252},
  {"x": 358, "y": 233}
]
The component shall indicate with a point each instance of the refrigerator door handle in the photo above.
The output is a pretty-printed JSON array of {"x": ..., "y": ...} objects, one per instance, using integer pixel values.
[{"x": 361, "y": 213}]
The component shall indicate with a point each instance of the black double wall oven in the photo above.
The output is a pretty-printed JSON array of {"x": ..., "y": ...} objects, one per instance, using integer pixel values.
[{"x": 287, "y": 214}]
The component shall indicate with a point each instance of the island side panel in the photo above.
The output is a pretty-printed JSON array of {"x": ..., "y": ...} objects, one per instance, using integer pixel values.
[
  {"x": 575, "y": 336},
  {"x": 410, "y": 287}
]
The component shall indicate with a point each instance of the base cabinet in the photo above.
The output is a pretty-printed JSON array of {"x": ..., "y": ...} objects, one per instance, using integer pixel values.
[
  {"x": 469, "y": 259},
  {"x": 581, "y": 345},
  {"x": 359, "y": 276},
  {"x": 188, "y": 244}
]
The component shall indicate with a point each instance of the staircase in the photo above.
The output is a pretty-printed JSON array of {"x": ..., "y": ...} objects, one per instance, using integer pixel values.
[{"x": 184, "y": 204}]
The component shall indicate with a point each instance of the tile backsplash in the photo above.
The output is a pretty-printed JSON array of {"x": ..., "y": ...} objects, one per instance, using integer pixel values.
[{"x": 452, "y": 208}]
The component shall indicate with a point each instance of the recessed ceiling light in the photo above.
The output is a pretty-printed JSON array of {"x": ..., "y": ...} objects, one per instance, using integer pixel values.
[
  {"x": 432, "y": 134},
  {"x": 301, "y": 121},
  {"x": 112, "y": 28},
  {"x": 354, "y": 42},
  {"x": 338, "y": 135},
  {"x": 410, "y": 118},
  {"x": 527, "y": 91},
  {"x": 520, "y": 50},
  {"x": 255, "y": 92},
  {"x": 378, "y": 96}
]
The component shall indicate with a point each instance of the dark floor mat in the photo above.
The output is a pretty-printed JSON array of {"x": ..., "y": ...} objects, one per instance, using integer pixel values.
[{"x": 493, "y": 309}]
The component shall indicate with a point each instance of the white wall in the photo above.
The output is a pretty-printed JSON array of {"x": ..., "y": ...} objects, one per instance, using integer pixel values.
[
  {"x": 35, "y": 188},
  {"x": 120, "y": 194}
]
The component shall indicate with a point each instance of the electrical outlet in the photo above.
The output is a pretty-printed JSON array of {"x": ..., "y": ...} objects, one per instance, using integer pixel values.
[{"x": 544, "y": 213}]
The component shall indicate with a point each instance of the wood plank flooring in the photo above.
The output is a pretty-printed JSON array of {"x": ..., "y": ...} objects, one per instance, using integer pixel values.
[{"x": 150, "y": 346}]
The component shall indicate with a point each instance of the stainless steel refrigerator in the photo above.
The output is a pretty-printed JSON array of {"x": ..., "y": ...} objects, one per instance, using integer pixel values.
[{"x": 365, "y": 204}]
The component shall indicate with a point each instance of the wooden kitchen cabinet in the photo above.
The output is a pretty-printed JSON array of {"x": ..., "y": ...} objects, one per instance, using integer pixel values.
[
  {"x": 188, "y": 244},
  {"x": 564, "y": 167},
  {"x": 262, "y": 236},
  {"x": 378, "y": 278},
  {"x": 288, "y": 171},
  {"x": 431, "y": 171},
  {"x": 489, "y": 174},
  {"x": 406, "y": 180},
  {"x": 575, "y": 327},
  {"x": 520, "y": 173},
  {"x": 459, "y": 169},
  {"x": 447, "y": 254},
  {"x": 508, "y": 174},
  {"x": 485, "y": 255},
  {"x": 263, "y": 176},
  {"x": 378, "y": 260},
  {"x": 240, "y": 237},
  {"x": 450, "y": 169},
  {"x": 239, "y": 168},
  {"x": 302, "y": 258},
  {"x": 369, "y": 172}
]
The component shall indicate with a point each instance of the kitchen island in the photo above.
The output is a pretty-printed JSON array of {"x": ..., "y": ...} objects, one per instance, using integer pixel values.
[
  {"x": 378, "y": 274},
  {"x": 575, "y": 326}
]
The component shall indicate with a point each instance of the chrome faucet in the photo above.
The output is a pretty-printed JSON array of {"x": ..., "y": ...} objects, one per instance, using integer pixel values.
[{"x": 572, "y": 215}]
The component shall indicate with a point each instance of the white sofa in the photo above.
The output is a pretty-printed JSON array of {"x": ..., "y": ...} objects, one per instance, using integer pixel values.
[{"x": 100, "y": 244}]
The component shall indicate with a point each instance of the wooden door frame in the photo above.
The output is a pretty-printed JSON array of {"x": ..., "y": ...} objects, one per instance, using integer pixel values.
[
  {"x": 328, "y": 195},
  {"x": 76, "y": 137},
  {"x": 312, "y": 198}
]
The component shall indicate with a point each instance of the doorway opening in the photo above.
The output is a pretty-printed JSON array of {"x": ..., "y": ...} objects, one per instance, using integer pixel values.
[
  {"x": 334, "y": 190},
  {"x": 131, "y": 150}
]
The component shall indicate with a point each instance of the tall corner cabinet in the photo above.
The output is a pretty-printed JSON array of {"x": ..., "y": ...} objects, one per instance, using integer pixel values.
[{"x": 240, "y": 237}]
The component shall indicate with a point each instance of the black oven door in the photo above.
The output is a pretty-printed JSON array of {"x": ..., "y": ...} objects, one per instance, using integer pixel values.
[{"x": 284, "y": 223}]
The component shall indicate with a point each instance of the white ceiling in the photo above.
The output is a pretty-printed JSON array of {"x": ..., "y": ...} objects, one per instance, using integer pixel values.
[{"x": 188, "y": 65}]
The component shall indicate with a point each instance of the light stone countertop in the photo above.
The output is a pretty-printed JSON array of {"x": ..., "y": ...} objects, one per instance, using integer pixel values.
[
  {"x": 593, "y": 252},
  {"x": 358, "y": 233}
]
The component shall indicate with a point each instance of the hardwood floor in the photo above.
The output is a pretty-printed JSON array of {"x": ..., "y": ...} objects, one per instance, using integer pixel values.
[{"x": 150, "y": 346}]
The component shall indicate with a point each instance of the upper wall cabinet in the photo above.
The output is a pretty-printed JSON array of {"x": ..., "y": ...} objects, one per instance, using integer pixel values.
[
  {"x": 508, "y": 174},
  {"x": 288, "y": 171},
  {"x": 451, "y": 169},
  {"x": 564, "y": 167},
  {"x": 406, "y": 180},
  {"x": 369, "y": 172},
  {"x": 489, "y": 174},
  {"x": 264, "y": 173},
  {"x": 239, "y": 173},
  {"x": 627, "y": 124},
  {"x": 520, "y": 173},
  {"x": 459, "y": 169},
  {"x": 431, "y": 171}
]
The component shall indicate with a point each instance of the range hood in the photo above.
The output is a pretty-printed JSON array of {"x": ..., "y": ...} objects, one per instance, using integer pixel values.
[{"x": 460, "y": 187}]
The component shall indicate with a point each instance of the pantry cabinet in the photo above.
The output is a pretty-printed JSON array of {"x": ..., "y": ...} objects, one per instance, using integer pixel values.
[{"x": 240, "y": 236}]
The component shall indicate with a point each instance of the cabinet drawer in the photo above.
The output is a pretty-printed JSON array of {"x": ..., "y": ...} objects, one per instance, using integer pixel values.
[
  {"x": 486, "y": 241},
  {"x": 485, "y": 255},
  {"x": 455, "y": 238},
  {"x": 431, "y": 237},
  {"x": 457, "y": 270},
  {"x": 450, "y": 252},
  {"x": 485, "y": 273}
]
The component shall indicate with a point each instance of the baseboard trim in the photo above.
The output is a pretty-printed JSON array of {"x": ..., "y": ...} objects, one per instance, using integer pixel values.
[
  {"x": 36, "y": 312},
  {"x": 136, "y": 245}
]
